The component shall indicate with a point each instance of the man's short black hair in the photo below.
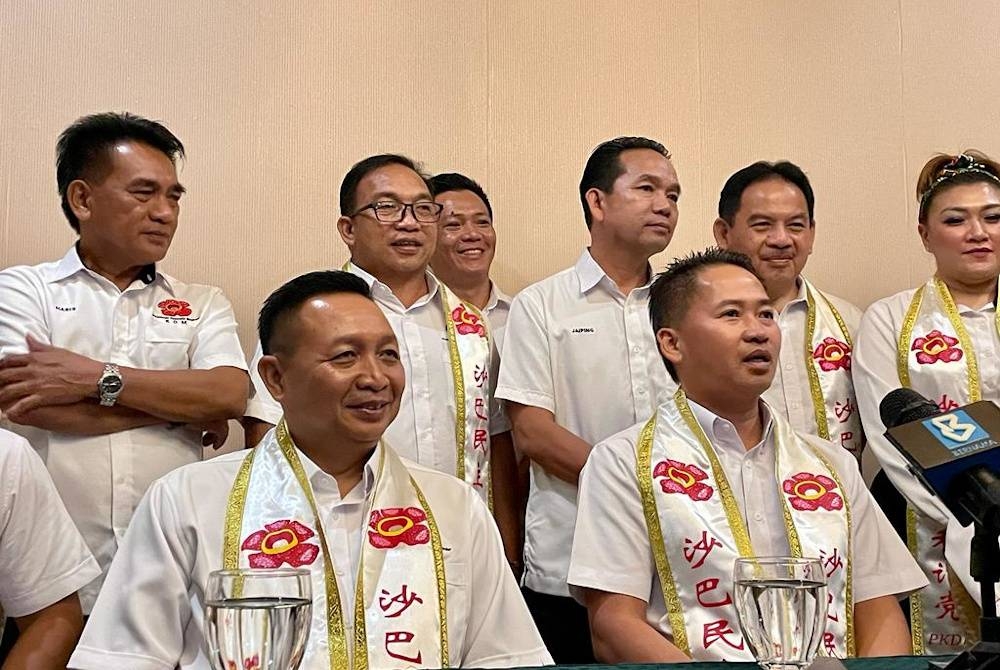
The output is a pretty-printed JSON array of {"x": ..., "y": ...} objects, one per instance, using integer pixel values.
[
  {"x": 671, "y": 292},
  {"x": 363, "y": 168},
  {"x": 732, "y": 191},
  {"x": 84, "y": 149},
  {"x": 453, "y": 181},
  {"x": 291, "y": 295},
  {"x": 604, "y": 166}
]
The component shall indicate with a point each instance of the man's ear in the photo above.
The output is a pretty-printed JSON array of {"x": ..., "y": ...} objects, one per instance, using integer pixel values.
[
  {"x": 595, "y": 200},
  {"x": 78, "y": 195},
  {"x": 721, "y": 231},
  {"x": 272, "y": 374},
  {"x": 345, "y": 225},
  {"x": 668, "y": 340}
]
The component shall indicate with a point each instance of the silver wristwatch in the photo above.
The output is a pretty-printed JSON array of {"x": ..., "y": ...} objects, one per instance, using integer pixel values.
[{"x": 109, "y": 386}]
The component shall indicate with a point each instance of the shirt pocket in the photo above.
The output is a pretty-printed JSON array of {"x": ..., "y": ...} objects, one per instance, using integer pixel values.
[
  {"x": 456, "y": 577},
  {"x": 167, "y": 347}
]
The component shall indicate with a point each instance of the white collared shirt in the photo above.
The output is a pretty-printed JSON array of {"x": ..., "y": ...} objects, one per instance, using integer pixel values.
[
  {"x": 43, "y": 559},
  {"x": 62, "y": 303},
  {"x": 611, "y": 550},
  {"x": 424, "y": 429},
  {"x": 497, "y": 310},
  {"x": 876, "y": 374},
  {"x": 790, "y": 392},
  {"x": 150, "y": 615},
  {"x": 577, "y": 347}
]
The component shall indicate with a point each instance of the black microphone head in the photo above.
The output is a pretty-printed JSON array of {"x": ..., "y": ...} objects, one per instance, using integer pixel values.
[{"x": 905, "y": 405}]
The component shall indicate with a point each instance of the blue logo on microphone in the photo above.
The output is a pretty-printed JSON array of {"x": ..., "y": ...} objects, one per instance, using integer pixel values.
[{"x": 957, "y": 431}]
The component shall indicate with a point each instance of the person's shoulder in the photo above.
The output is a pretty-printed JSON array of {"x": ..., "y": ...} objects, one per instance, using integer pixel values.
[
  {"x": 621, "y": 445},
  {"x": 843, "y": 461},
  {"x": 215, "y": 471},
  {"x": 844, "y": 306},
  {"x": 548, "y": 286},
  {"x": 14, "y": 449},
  {"x": 28, "y": 274},
  {"x": 189, "y": 288},
  {"x": 892, "y": 303}
]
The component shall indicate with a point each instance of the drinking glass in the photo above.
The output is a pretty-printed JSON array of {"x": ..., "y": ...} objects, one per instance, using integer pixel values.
[
  {"x": 781, "y": 604},
  {"x": 258, "y": 619}
]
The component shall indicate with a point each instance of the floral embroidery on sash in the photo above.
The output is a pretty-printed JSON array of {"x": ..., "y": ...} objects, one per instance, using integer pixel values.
[
  {"x": 808, "y": 492},
  {"x": 393, "y": 526},
  {"x": 680, "y": 477},
  {"x": 281, "y": 542},
  {"x": 936, "y": 346}
]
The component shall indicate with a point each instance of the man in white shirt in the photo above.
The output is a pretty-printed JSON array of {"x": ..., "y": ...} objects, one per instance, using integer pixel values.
[
  {"x": 323, "y": 493},
  {"x": 43, "y": 561},
  {"x": 389, "y": 221},
  {"x": 766, "y": 212},
  {"x": 116, "y": 372},
  {"x": 580, "y": 364},
  {"x": 466, "y": 243},
  {"x": 666, "y": 506}
]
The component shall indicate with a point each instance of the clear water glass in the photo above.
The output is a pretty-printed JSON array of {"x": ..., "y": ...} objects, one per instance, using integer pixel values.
[
  {"x": 257, "y": 619},
  {"x": 781, "y": 604}
]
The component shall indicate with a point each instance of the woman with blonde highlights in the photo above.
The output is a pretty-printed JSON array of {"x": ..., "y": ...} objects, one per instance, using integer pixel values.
[{"x": 942, "y": 340}]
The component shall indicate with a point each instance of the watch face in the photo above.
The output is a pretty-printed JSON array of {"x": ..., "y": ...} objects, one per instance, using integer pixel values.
[{"x": 111, "y": 385}]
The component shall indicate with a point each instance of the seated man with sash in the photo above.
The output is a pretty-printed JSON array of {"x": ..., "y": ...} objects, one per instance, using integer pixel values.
[
  {"x": 665, "y": 507},
  {"x": 407, "y": 565}
]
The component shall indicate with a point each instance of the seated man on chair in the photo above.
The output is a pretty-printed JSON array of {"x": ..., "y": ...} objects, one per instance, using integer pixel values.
[
  {"x": 321, "y": 492},
  {"x": 666, "y": 506}
]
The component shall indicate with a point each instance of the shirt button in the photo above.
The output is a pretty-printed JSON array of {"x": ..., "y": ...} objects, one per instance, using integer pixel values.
[
  {"x": 789, "y": 367},
  {"x": 642, "y": 391},
  {"x": 636, "y": 349},
  {"x": 758, "y": 516}
]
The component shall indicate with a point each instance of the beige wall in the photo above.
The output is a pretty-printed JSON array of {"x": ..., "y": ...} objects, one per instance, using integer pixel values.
[{"x": 275, "y": 101}]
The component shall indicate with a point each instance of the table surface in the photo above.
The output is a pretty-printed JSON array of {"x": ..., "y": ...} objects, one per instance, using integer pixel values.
[{"x": 879, "y": 663}]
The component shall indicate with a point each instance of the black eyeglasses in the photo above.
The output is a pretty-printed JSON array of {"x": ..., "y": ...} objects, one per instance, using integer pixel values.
[{"x": 390, "y": 211}]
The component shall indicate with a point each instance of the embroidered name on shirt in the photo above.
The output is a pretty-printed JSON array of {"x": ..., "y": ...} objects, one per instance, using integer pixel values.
[
  {"x": 583, "y": 330},
  {"x": 65, "y": 309}
]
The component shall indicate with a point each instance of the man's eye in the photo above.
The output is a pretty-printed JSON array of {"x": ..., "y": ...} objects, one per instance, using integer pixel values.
[
  {"x": 767, "y": 314},
  {"x": 391, "y": 354},
  {"x": 731, "y": 312}
]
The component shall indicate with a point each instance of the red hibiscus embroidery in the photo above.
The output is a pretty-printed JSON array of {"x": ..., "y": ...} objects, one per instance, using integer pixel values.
[
  {"x": 252, "y": 663},
  {"x": 467, "y": 323},
  {"x": 808, "y": 492},
  {"x": 936, "y": 346},
  {"x": 281, "y": 542},
  {"x": 832, "y": 354},
  {"x": 681, "y": 478},
  {"x": 173, "y": 307},
  {"x": 391, "y": 526}
]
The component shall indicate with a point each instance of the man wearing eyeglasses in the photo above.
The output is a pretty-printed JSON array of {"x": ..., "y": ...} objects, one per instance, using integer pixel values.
[{"x": 389, "y": 222}]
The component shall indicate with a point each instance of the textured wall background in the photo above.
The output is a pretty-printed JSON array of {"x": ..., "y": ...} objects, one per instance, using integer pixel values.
[{"x": 275, "y": 101}]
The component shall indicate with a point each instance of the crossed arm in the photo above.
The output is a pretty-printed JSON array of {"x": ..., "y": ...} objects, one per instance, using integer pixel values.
[
  {"x": 47, "y": 637},
  {"x": 56, "y": 389}
]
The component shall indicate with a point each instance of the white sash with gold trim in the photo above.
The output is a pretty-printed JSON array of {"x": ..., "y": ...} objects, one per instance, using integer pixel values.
[
  {"x": 935, "y": 357},
  {"x": 469, "y": 350},
  {"x": 400, "y": 612},
  {"x": 828, "y": 364},
  {"x": 696, "y": 530}
]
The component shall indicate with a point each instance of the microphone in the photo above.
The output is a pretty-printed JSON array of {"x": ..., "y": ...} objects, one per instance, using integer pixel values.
[{"x": 953, "y": 454}]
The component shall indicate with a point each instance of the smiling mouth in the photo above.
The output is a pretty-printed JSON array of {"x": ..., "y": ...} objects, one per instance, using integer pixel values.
[
  {"x": 370, "y": 407},
  {"x": 758, "y": 358}
]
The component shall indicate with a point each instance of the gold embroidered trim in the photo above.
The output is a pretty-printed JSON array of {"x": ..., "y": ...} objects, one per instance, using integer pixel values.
[
  {"x": 336, "y": 639},
  {"x": 644, "y": 475},
  {"x": 971, "y": 364},
  {"x": 733, "y": 516},
  {"x": 234, "y": 514},
  {"x": 815, "y": 390},
  {"x": 459, "y": 380},
  {"x": 905, "y": 336},
  {"x": 916, "y": 605},
  {"x": 439, "y": 574},
  {"x": 849, "y": 580}
]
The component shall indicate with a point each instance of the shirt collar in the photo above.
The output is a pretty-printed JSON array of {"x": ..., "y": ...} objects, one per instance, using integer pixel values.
[
  {"x": 715, "y": 426},
  {"x": 383, "y": 293},
  {"x": 802, "y": 296},
  {"x": 71, "y": 263},
  {"x": 497, "y": 297},
  {"x": 317, "y": 476},
  {"x": 590, "y": 273}
]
